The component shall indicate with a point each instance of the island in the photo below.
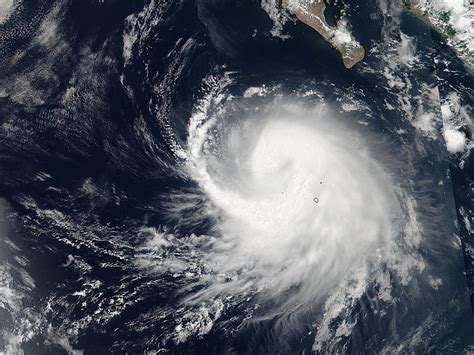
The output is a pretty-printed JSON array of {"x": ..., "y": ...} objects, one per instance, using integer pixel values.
[{"x": 311, "y": 12}]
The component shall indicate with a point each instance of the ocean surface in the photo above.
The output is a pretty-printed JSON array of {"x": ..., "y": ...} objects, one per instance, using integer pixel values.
[{"x": 159, "y": 167}]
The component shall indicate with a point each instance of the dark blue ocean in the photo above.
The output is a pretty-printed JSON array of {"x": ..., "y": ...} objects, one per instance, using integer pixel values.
[{"x": 90, "y": 134}]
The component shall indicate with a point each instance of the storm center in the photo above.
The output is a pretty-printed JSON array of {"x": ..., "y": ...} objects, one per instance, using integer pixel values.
[{"x": 300, "y": 204}]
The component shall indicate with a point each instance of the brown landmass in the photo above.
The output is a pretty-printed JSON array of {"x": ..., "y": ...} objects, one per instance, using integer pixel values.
[{"x": 311, "y": 12}]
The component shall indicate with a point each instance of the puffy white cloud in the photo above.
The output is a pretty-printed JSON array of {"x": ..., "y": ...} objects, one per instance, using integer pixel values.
[{"x": 456, "y": 141}]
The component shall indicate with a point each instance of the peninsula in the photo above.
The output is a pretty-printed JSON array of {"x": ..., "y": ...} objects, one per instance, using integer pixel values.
[{"x": 311, "y": 12}]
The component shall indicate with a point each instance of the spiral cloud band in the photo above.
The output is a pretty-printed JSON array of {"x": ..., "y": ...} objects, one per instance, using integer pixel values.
[{"x": 299, "y": 202}]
